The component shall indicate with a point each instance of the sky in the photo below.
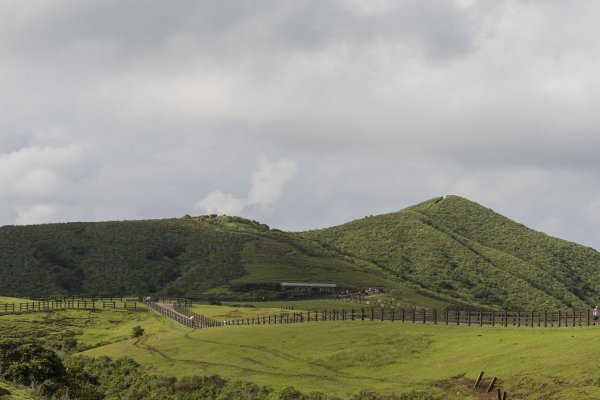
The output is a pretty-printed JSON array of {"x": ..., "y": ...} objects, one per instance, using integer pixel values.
[{"x": 301, "y": 113}]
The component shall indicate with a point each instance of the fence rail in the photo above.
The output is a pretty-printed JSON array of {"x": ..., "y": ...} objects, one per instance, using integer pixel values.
[
  {"x": 81, "y": 298},
  {"x": 51, "y": 305},
  {"x": 181, "y": 312},
  {"x": 184, "y": 315},
  {"x": 201, "y": 321},
  {"x": 560, "y": 318}
]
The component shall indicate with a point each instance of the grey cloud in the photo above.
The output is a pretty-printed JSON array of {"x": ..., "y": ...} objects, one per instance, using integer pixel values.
[{"x": 381, "y": 104}]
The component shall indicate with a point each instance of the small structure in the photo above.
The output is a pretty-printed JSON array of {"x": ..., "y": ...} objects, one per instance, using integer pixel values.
[{"x": 309, "y": 287}]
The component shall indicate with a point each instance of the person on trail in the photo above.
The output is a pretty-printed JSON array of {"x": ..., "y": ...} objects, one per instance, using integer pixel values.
[{"x": 596, "y": 314}]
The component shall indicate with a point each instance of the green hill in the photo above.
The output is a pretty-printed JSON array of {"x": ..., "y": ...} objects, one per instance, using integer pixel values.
[
  {"x": 454, "y": 248},
  {"x": 446, "y": 250},
  {"x": 187, "y": 256}
]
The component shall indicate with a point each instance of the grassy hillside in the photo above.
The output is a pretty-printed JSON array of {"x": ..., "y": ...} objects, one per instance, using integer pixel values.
[
  {"x": 343, "y": 358},
  {"x": 340, "y": 358},
  {"x": 440, "y": 252},
  {"x": 187, "y": 256},
  {"x": 11, "y": 392},
  {"x": 456, "y": 249}
]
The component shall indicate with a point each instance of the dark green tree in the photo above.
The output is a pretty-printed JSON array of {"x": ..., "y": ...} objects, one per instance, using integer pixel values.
[{"x": 27, "y": 361}]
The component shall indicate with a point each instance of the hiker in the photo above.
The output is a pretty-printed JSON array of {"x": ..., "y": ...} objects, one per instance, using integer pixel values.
[{"x": 596, "y": 314}]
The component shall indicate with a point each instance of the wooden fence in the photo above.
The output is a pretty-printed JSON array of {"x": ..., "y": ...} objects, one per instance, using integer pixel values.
[
  {"x": 50, "y": 305},
  {"x": 80, "y": 298},
  {"x": 562, "y": 318},
  {"x": 184, "y": 315},
  {"x": 181, "y": 312}
]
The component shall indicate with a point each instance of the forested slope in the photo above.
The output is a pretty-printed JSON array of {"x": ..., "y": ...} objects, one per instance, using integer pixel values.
[
  {"x": 186, "y": 256},
  {"x": 448, "y": 248}
]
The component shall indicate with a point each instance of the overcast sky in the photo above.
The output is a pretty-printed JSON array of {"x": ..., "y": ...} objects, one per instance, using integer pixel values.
[{"x": 300, "y": 114}]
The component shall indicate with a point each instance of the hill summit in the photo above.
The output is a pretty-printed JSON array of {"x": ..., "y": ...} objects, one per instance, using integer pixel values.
[
  {"x": 453, "y": 247},
  {"x": 448, "y": 249}
]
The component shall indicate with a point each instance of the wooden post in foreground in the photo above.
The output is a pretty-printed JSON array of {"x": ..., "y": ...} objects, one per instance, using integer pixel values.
[
  {"x": 492, "y": 383},
  {"x": 478, "y": 379}
]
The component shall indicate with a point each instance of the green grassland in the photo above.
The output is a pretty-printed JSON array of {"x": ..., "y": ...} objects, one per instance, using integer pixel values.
[
  {"x": 16, "y": 393},
  {"x": 13, "y": 300},
  {"x": 344, "y": 357},
  {"x": 337, "y": 357},
  {"x": 89, "y": 328},
  {"x": 269, "y": 261},
  {"x": 237, "y": 310}
]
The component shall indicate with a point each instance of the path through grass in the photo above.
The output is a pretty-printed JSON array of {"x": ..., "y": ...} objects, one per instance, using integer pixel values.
[{"x": 343, "y": 358}]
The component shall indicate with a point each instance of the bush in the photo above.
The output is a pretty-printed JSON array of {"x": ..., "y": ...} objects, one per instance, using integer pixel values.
[
  {"x": 70, "y": 344},
  {"x": 366, "y": 395},
  {"x": 28, "y": 363},
  {"x": 137, "y": 331},
  {"x": 243, "y": 391}
]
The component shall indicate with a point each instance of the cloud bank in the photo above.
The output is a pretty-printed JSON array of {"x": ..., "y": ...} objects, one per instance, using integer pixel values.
[
  {"x": 266, "y": 188},
  {"x": 137, "y": 109}
]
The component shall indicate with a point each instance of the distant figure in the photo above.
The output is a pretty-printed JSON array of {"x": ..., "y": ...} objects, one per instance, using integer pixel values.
[{"x": 596, "y": 314}]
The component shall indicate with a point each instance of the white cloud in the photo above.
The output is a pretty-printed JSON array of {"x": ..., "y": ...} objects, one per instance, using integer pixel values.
[
  {"x": 268, "y": 181},
  {"x": 217, "y": 202},
  {"x": 41, "y": 163},
  {"x": 33, "y": 176},
  {"x": 37, "y": 214},
  {"x": 266, "y": 188}
]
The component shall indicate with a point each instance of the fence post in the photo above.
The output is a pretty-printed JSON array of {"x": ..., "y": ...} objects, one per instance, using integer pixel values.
[
  {"x": 372, "y": 312},
  {"x": 392, "y": 315},
  {"x": 478, "y": 379},
  {"x": 588, "y": 317}
]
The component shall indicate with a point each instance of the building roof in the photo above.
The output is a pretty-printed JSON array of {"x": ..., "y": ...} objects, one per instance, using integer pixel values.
[{"x": 304, "y": 284}]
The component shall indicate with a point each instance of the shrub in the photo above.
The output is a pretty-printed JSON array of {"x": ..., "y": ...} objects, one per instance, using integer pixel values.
[
  {"x": 137, "y": 331},
  {"x": 27, "y": 362},
  {"x": 243, "y": 391},
  {"x": 289, "y": 393}
]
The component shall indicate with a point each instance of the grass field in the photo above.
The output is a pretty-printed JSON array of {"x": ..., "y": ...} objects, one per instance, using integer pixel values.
[
  {"x": 340, "y": 358},
  {"x": 236, "y": 310},
  {"x": 89, "y": 328},
  {"x": 343, "y": 358},
  {"x": 11, "y": 300},
  {"x": 16, "y": 393},
  {"x": 232, "y": 312}
]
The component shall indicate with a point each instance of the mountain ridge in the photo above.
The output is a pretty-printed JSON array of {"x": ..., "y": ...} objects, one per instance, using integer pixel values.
[{"x": 448, "y": 249}]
